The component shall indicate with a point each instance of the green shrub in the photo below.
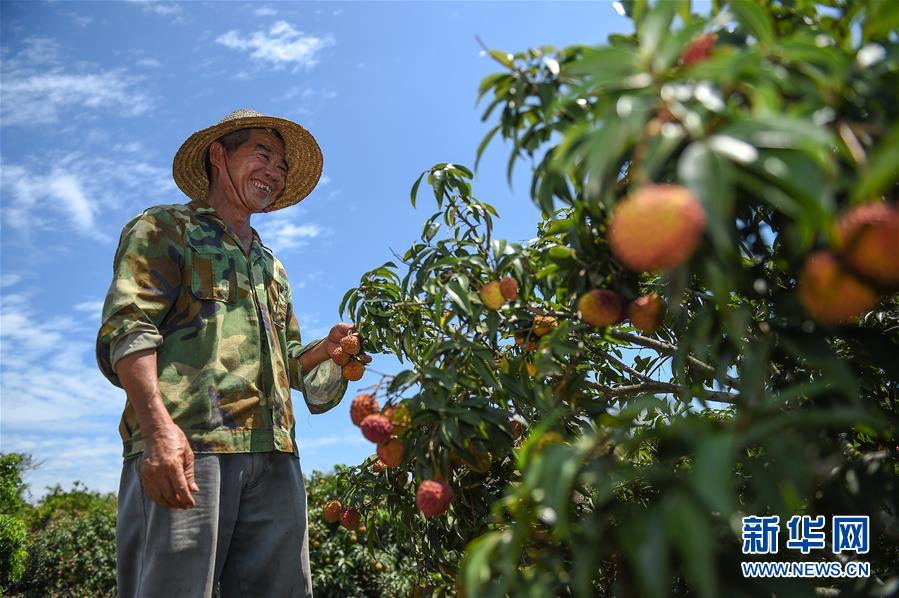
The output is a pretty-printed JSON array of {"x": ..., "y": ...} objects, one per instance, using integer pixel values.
[
  {"x": 72, "y": 545},
  {"x": 13, "y": 552}
]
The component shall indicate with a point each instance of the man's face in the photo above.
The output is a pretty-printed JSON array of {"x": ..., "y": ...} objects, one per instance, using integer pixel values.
[{"x": 258, "y": 170}]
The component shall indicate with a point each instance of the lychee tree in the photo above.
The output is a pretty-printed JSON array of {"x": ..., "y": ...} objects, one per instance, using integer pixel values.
[{"x": 705, "y": 326}]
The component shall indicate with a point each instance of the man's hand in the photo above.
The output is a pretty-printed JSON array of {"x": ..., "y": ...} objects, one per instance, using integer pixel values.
[
  {"x": 167, "y": 468},
  {"x": 338, "y": 331},
  {"x": 167, "y": 465}
]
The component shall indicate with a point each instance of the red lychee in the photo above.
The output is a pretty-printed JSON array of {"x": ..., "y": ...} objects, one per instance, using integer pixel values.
[
  {"x": 508, "y": 286},
  {"x": 353, "y": 371},
  {"x": 350, "y": 344},
  {"x": 646, "y": 312},
  {"x": 525, "y": 340},
  {"x": 516, "y": 428},
  {"x": 391, "y": 452},
  {"x": 433, "y": 498},
  {"x": 600, "y": 307},
  {"x": 830, "y": 294},
  {"x": 377, "y": 428},
  {"x": 698, "y": 49},
  {"x": 492, "y": 296},
  {"x": 656, "y": 228},
  {"x": 340, "y": 357},
  {"x": 868, "y": 239},
  {"x": 349, "y": 518},
  {"x": 363, "y": 406},
  {"x": 378, "y": 466},
  {"x": 331, "y": 511}
]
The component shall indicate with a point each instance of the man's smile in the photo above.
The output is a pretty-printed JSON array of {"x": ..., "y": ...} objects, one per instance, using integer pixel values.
[{"x": 260, "y": 185}]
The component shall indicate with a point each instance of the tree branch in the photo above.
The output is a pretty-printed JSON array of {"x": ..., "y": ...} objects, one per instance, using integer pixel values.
[
  {"x": 668, "y": 349},
  {"x": 664, "y": 387}
]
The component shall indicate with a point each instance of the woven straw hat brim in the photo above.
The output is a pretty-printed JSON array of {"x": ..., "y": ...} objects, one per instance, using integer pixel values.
[{"x": 301, "y": 151}]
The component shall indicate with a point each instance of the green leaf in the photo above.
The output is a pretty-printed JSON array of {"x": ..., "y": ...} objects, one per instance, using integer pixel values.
[
  {"x": 603, "y": 65},
  {"x": 415, "y": 187},
  {"x": 459, "y": 296},
  {"x": 476, "y": 563},
  {"x": 655, "y": 26},
  {"x": 711, "y": 178},
  {"x": 882, "y": 172},
  {"x": 402, "y": 380},
  {"x": 713, "y": 472},
  {"x": 503, "y": 58},
  {"x": 689, "y": 528},
  {"x": 754, "y": 20},
  {"x": 483, "y": 145}
]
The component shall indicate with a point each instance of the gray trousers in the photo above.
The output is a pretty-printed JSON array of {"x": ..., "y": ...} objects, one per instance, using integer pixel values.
[{"x": 248, "y": 532}]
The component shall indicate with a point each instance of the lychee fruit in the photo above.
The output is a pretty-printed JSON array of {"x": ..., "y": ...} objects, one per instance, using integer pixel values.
[
  {"x": 699, "y": 49},
  {"x": 525, "y": 340},
  {"x": 349, "y": 518},
  {"x": 830, "y": 294},
  {"x": 646, "y": 312},
  {"x": 363, "y": 406},
  {"x": 492, "y": 296},
  {"x": 350, "y": 344},
  {"x": 868, "y": 240},
  {"x": 508, "y": 286},
  {"x": 516, "y": 428},
  {"x": 545, "y": 324},
  {"x": 433, "y": 498},
  {"x": 656, "y": 228},
  {"x": 377, "y": 428},
  {"x": 399, "y": 417},
  {"x": 353, "y": 371},
  {"x": 600, "y": 307},
  {"x": 391, "y": 452},
  {"x": 378, "y": 466},
  {"x": 340, "y": 357},
  {"x": 331, "y": 511}
]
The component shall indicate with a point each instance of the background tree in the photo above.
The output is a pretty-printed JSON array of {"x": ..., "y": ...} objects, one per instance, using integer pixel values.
[{"x": 739, "y": 168}]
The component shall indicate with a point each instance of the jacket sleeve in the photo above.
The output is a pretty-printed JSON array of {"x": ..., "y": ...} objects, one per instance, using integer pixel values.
[
  {"x": 146, "y": 282},
  {"x": 323, "y": 386}
]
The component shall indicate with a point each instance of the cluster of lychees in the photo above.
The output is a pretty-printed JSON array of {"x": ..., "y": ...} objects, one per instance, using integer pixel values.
[
  {"x": 347, "y": 356},
  {"x": 659, "y": 227},
  {"x": 836, "y": 287},
  {"x": 496, "y": 293},
  {"x": 386, "y": 428}
]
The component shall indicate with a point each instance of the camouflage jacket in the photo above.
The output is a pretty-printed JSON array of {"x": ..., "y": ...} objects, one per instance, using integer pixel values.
[{"x": 223, "y": 326}]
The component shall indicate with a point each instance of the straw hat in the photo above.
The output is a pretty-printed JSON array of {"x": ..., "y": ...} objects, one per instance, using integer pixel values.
[{"x": 304, "y": 157}]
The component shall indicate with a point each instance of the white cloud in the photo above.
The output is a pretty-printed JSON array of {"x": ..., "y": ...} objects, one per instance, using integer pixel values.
[
  {"x": 149, "y": 62},
  {"x": 80, "y": 20},
  {"x": 71, "y": 195},
  {"x": 265, "y": 11},
  {"x": 350, "y": 437},
  {"x": 91, "y": 307},
  {"x": 281, "y": 45},
  {"x": 56, "y": 404},
  {"x": 7, "y": 280},
  {"x": 38, "y": 90},
  {"x": 279, "y": 233},
  {"x": 158, "y": 7}
]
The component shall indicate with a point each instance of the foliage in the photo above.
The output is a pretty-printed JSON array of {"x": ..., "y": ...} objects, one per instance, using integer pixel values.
[
  {"x": 13, "y": 531},
  {"x": 71, "y": 545},
  {"x": 643, "y": 451}
]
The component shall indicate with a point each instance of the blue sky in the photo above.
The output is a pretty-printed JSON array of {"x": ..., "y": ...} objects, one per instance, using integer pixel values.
[{"x": 98, "y": 96}]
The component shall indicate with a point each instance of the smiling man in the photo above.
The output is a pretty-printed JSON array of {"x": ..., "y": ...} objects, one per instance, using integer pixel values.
[{"x": 199, "y": 329}]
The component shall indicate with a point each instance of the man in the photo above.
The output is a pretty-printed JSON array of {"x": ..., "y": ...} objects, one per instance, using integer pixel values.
[{"x": 199, "y": 329}]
